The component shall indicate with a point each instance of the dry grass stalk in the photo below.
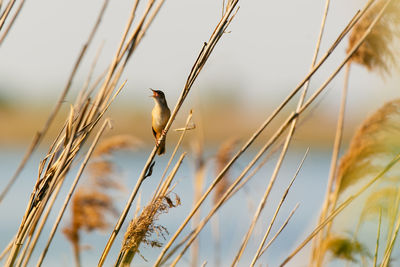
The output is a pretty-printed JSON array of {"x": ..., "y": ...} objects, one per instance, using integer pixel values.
[
  {"x": 340, "y": 208},
  {"x": 316, "y": 257},
  {"x": 379, "y": 51},
  {"x": 3, "y": 36},
  {"x": 58, "y": 164},
  {"x": 284, "y": 195},
  {"x": 279, "y": 231},
  {"x": 39, "y": 135},
  {"x": 378, "y": 237},
  {"x": 388, "y": 252},
  {"x": 6, "y": 13},
  {"x": 70, "y": 193},
  {"x": 33, "y": 237},
  {"x": 229, "y": 195},
  {"x": 285, "y": 146},
  {"x": 267, "y": 122}
]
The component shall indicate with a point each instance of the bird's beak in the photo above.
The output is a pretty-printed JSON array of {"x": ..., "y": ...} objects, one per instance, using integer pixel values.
[{"x": 154, "y": 93}]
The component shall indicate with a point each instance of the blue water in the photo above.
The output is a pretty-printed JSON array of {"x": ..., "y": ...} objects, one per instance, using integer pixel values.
[{"x": 234, "y": 217}]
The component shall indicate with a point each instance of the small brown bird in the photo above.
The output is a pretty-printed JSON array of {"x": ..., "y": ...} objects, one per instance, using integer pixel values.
[{"x": 159, "y": 117}]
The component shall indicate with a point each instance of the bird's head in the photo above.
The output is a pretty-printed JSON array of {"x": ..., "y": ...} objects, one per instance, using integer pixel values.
[{"x": 158, "y": 95}]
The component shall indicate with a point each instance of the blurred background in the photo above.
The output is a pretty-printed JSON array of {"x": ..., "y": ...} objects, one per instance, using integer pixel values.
[{"x": 266, "y": 53}]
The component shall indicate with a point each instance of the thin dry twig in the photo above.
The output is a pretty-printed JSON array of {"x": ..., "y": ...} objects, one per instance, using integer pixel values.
[
  {"x": 279, "y": 231},
  {"x": 21, "y": 4},
  {"x": 257, "y": 255},
  {"x": 333, "y": 167}
]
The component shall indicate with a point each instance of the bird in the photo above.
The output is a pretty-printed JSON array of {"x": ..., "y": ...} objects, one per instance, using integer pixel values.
[{"x": 159, "y": 117}]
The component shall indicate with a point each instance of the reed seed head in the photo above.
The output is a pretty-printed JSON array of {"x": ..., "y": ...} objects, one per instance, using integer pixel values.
[
  {"x": 380, "y": 50},
  {"x": 141, "y": 229}
]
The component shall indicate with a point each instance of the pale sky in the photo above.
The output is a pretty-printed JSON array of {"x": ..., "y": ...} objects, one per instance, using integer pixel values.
[{"x": 267, "y": 52}]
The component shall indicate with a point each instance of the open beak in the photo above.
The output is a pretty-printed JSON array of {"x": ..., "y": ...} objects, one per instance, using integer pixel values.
[{"x": 154, "y": 93}]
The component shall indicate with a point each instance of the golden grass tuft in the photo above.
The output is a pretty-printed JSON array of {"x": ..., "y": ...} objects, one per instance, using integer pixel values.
[
  {"x": 142, "y": 228},
  {"x": 223, "y": 157},
  {"x": 373, "y": 145},
  {"x": 379, "y": 51}
]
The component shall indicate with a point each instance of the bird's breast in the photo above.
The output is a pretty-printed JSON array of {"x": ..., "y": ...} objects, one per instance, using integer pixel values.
[{"x": 160, "y": 117}]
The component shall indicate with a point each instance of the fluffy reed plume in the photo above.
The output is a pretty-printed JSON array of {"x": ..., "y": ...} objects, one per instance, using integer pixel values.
[
  {"x": 223, "y": 157},
  {"x": 344, "y": 248},
  {"x": 102, "y": 169},
  {"x": 89, "y": 209},
  {"x": 142, "y": 228},
  {"x": 379, "y": 51},
  {"x": 372, "y": 147}
]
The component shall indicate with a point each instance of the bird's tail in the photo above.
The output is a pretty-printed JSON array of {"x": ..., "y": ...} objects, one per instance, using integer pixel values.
[{"x": 161, "y": 148}]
